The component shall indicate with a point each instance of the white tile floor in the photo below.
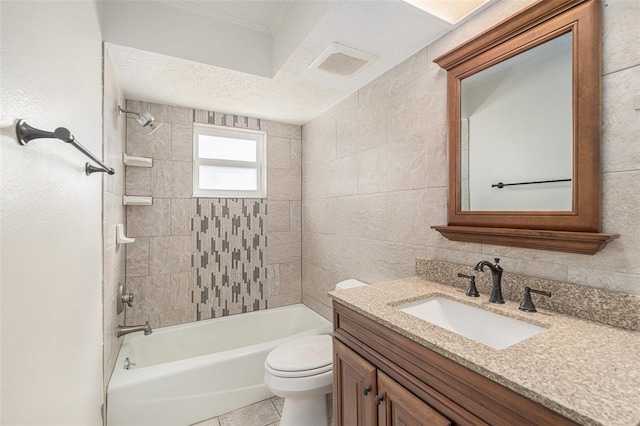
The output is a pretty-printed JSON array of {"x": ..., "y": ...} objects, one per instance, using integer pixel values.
[{"x": 263, "y": 413}]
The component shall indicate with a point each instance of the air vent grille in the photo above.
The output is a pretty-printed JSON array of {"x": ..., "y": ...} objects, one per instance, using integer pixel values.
[{"x": 341, "y": 60}]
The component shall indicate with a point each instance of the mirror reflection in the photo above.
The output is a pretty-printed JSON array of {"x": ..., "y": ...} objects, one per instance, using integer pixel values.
[{"x": 517, "y": 132}]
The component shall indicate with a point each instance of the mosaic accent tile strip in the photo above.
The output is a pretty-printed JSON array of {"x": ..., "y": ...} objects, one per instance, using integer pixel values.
[
  {"x": 229, "y": 261},
  {"x": 229, "y": 120}
]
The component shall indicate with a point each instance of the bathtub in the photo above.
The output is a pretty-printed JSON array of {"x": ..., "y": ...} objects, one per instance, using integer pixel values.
[{"x": 187, "y": 373}]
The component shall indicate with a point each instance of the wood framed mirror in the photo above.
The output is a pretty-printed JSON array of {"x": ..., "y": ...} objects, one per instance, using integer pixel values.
[{"x": 523, "y": 102}]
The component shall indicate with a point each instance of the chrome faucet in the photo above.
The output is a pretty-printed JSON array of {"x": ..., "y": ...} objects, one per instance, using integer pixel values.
[
  {"x": 496, "y": 275},
  {"x": 126, "y": 329}
]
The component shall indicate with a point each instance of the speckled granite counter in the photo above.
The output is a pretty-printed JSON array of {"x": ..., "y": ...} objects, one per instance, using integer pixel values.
[{"x": 587, "y": 371}]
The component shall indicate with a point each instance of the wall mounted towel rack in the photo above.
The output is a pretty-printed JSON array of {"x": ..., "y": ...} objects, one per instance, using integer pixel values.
[{"x": 27, "y": 133}]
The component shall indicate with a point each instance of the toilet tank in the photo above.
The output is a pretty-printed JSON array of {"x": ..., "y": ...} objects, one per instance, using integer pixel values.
[{"x": 343, "y": 285}]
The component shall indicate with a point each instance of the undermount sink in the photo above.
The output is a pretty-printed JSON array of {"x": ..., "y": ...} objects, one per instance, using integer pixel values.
[{"x": 488, "y": 328}]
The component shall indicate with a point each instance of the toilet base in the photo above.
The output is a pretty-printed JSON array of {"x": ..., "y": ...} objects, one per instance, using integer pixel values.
[{"x": 305, "y": 411}]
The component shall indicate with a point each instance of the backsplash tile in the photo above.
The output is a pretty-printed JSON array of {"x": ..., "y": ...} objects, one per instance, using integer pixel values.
[{"x": 593, "y": 304}]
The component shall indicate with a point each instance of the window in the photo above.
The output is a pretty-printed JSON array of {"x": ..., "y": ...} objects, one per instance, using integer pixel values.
[{"x": 229, "y": 162}]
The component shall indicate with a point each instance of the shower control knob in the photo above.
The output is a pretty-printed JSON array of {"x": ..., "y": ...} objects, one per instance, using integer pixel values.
[{"x": 128, "y": 299}]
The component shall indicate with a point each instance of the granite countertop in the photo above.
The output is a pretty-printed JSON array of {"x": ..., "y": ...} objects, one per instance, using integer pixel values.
[{"x": 587, "y": 371}]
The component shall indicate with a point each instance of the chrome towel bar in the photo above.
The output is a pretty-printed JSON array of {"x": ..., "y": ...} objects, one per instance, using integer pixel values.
[{"x": 26, "y": 133}]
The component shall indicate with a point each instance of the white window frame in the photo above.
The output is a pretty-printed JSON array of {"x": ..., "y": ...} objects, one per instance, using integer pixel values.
[{"x": 260, "y": 164}]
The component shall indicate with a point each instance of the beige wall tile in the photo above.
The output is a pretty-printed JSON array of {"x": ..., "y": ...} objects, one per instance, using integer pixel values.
[
  {"x": 362, "y": 216},
  {"x": 281, "y": 130},
  {"x": 138, "y": 257},
  {"x": 284, "y": 279},
  {"x": 284, "y": 300},
  {"x": 336, "y": 254},
  {"x": 383, "y": 261},
  {"x": 320, "y": 141},
  {"x": 392, "y": 167},
  {"x": 171, "y": 114},
  {"x": 321, "y": 308},
  {"x": 412, "y": 212},
  {"x": 181, "y": 214},
  {"x": 317, "y": 282},
  {"x": 151, "y": 295},
  {"x": 145, "y": 221},
  {"x": 181, "y": 291},
  {"x": 168, "y": 255},
  {"x": 182, "y": 142},
  {"x": 283, "y": 184},
  {"x": 172, "y": 179},
  {"x": 138, "y": 181},
  {"x": 283, "y": 247},
  {"x": 319, "y": 215},
  {"x": 177, "y": 317},
  {"x": 620, "y": 35},
  {"x": 278, "y": 152},
  {"x": 620, "y": 123},
  {"x": 278, "y": 216},
  {"x": 291, "y": 278},
  {"x": 364, "y": 129},
  {"x": 141, "y": 143},
  {"x": 295, "y": 154},
  {"x": 295, "y": 216}
]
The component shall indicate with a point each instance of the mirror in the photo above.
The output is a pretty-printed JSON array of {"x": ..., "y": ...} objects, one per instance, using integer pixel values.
[
  {"x": 524, "y": 131},
  {"x": 516, "y": 132}
]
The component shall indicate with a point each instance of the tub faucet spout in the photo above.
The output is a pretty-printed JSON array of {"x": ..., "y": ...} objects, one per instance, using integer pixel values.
[
  {"x": 496, "y": 275},
  {"x": 126, "y": 329}
]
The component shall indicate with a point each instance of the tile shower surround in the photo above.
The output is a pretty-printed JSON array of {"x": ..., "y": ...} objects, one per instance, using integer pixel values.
[{"x": 197, "y": 258}]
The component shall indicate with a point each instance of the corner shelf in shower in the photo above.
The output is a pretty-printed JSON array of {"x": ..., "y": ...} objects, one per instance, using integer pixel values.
[
  {"x": 136, "y": 161},
  {"x": 136, "y": 200}
]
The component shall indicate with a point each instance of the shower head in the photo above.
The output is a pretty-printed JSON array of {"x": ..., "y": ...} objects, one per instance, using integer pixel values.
[{"x": 145, "y": 119}]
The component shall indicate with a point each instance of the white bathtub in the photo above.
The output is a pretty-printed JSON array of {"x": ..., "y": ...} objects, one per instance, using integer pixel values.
[{"x": 191, "y": 372}]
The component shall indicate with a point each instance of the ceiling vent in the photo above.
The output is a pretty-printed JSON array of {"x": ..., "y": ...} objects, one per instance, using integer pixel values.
[{"x": 341, "y": 60}]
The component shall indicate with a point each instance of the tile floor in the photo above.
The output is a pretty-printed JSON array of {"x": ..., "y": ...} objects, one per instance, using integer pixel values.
[{"x": 263, "y": 413}]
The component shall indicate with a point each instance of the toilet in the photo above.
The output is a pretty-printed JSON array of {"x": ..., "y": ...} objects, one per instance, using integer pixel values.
[{"x": 301, "y": 372}]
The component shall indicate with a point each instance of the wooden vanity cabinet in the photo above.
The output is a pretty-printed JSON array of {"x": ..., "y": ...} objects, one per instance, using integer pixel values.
[
  {"x": 383, "y": 378},
  {"x": 366, "y": 396}
]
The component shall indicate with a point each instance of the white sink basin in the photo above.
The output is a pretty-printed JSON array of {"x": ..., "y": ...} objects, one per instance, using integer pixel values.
[{"x": 488, "y": 328}]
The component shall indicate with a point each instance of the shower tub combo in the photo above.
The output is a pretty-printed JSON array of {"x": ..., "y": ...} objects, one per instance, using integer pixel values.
[{"x": 187, "y": 373}]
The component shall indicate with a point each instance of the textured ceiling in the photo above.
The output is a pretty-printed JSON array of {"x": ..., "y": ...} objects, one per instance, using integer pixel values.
[{"x": 291, "y": 93}]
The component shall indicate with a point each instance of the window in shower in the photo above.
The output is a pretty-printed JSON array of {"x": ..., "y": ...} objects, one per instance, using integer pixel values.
[{"x": 228, "y": 162}]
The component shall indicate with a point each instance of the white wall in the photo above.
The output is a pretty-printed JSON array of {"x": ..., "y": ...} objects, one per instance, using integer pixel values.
[{"x": 51, "y": 249}]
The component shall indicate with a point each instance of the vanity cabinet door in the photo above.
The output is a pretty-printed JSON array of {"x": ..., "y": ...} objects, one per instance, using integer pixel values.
[
  {"x": 354, "y": 388},
  {"x": 399, "y": 407}
]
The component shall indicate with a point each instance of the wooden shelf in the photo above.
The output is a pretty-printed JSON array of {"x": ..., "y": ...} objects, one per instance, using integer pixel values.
[{"x": 570, "y": 242}]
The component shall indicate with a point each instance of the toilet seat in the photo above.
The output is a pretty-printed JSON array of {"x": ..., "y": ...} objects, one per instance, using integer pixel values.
[
  {"x": 298, "y": 374},
  {"x": 304, "y": 357}
]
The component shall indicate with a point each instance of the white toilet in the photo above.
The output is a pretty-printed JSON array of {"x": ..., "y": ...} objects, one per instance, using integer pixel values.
[{"x": 301, "y": 372}]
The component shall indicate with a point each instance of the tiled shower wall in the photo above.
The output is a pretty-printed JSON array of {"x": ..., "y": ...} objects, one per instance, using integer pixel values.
[
  {"x": 375, "y": 173},
  {"x": 195, "y": 258}
]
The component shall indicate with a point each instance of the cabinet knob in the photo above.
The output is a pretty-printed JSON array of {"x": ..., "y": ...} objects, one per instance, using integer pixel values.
[
  {"x": 366, "y": 390},
  {"x": 379, "y": 399}
]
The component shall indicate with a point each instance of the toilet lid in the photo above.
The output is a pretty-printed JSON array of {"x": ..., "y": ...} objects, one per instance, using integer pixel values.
[{"x": 307, "y": 353}]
